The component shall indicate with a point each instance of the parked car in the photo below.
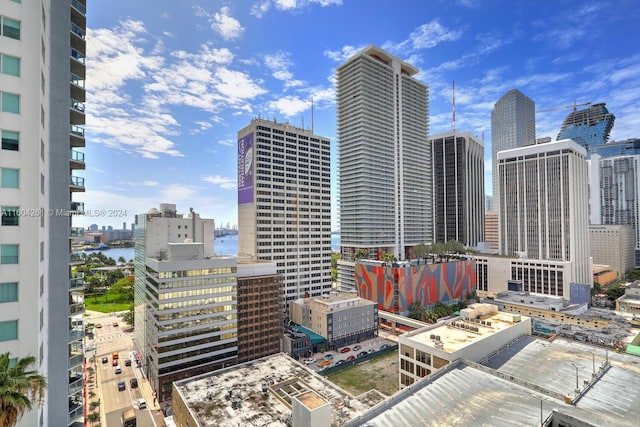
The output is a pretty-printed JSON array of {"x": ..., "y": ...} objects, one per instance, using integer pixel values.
[
  {"x": 118, "y": 370},
  {"x": 115, "y": 324},
  {"x": 324, "y": 363},
  {"x": 114, "y": 362},
  {"x": 350, "y": 358},
  {"x": 142, "y": 404},
  {"x": 362, "y": 354},
  {"x": 328, "y": 357},
  {"x": 345, "y": 350},
  {"x": 383, "y": 346},
  {"x": 370, "y": 350},
  {"x": 98, "y": 325},
  {"x": 310, "y": 360},
  {"x": 339, "y": 362},
  {"x": 133, "y": 382},
  {"x": 122, "y": 386},
  {"x": 105, "y": 359},
  {"x": 356, "y": 347},
  {"x": 127, "y": 362}
]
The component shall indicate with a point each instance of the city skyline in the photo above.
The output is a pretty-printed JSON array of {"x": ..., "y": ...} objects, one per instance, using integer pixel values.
[{"x": 145, "y": 124}]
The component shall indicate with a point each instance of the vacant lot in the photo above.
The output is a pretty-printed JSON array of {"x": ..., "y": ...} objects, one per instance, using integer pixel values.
[{"x": 380, "y": 373}]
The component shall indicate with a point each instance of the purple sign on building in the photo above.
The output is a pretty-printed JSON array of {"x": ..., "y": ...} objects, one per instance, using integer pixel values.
[{"x": 245, "y": 169}]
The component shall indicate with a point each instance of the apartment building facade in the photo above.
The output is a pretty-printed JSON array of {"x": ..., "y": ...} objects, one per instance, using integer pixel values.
[
  {"x": 384, "y": 159},
  {"x": 42, "y": 72}
]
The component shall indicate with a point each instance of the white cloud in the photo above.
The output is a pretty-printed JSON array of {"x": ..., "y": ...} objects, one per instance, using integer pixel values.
[
  {"x": 226, "y": 25},
  {"x": 227, "y": 142},
  {"x": 236, "y": 85},
  {"x": 431, "y": 34},
  {"x": 279, "y": 63},
  {"x": 224, "y": 182},
  {"x": 150, "y": 183},
  {"x": 344, "y": 53},
  {"x": 259, "y": 9},
  {"x": 290, "y": 105}
]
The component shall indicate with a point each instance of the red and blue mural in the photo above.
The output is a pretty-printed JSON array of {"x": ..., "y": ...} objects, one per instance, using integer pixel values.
[{"x": 396, "y": 288}]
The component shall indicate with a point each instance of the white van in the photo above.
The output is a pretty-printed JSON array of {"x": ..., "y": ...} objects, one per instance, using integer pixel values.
[{"x": 142, "y": 404}]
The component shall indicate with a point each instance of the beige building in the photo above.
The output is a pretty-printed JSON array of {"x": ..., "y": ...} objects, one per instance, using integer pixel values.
[
  {"x": 480, "y": 330},
  {"x": 339, "y": 318},
  {"x": 630, "y": 301},
  {"x": 491, "y": 227},
  {"x": 613, "y": 245}
]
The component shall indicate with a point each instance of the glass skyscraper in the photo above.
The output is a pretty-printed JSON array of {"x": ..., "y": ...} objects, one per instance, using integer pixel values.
[
  {"x": 513, "y": 125},
  {"x": 589, "y": 127}
]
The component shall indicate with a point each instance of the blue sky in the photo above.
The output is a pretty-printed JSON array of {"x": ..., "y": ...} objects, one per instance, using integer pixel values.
[{"x": 170, "y": 83}]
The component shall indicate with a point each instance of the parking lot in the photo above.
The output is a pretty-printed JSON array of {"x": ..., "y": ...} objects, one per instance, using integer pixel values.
[{"x": 319, "y": 361}]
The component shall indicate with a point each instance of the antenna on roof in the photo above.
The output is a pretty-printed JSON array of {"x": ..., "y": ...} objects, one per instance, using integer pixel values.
[
  {"x": 453, "y": 103},
  {"x": 312, "y": 114}
]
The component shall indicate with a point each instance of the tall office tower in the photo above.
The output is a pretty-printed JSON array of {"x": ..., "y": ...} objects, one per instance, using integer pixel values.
[
  {"x": 384, "y": 159},
  {"x": 284, "y": 204},
  {"x": 589, "y": 127},
  {"x": 185, "y": 298},
  {"x": 42, "y": 50},
  {"x": 546, "y": 201},
  {"x": 458, "y": 187},
  {"x": 625, "y": 147},
  {"x": 615, "y": 193},
  {"x": 513, "y": 125}
]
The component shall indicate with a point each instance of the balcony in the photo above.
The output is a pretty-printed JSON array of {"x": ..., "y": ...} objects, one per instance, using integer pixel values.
[
  {"x": 76, "y": 282},
  {"x": 76, "y": 136},
  {"x": 75, "y": 335},
  {"x": 77, "y": 208},
  {"x": 75, "y": 384},
  {"x": 76, "y": 160},
  {"x": 77, "y": 38},
  {"x": 76, "y": 183},
  {"x": 77, "y": 63},
  {"x": 76, "y": 111},
  {"x": 76, "y": 411},
  {"x": 76, "y": 257},
  {"x": 77, "y": 308},
  {"x": 77, "y": 90},
  {"x": 77, "y": 232},
  {"x": 76, "y": 359}
]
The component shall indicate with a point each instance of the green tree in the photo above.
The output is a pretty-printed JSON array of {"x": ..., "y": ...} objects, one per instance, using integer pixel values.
[
  {"x": 20, "y": 388},
  {"x": 416, "y": 311},
  {"x": 91, "y": 284},
  {"x": 421, "y": 251},
  {"x": 454, "y": 247},
  {"x": 633, "y": 275},
  {"x": 129, "y": 317},
  {"x": 360, "y": 254},
  {"x": 614, "y": 291},
  {"x": 93, "y": 417},
  {"x": 389, "y": 258},
  {"x": 438, "y": 249},
  {"x": 121, "y": 260},
  {"x": 122, "y": 290},
  {"x": 93, "y": 405},
  {"x": 334, "y": 266}
]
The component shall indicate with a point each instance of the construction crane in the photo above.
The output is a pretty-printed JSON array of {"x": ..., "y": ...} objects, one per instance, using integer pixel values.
[{"x": 574, "y": 106}]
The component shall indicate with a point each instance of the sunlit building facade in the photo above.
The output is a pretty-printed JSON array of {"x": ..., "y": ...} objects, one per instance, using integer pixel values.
[
  {"x": 185, "y": 299},
  {"x": 384, "y": 159},
  {"x": 513, "y": 125},
  {"x": 42, "y": 72}
]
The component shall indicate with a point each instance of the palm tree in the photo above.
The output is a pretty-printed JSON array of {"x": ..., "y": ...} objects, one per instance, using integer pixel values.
[
  {"x": 93, "y": 417},
  {"x": 19, "y": 388}
]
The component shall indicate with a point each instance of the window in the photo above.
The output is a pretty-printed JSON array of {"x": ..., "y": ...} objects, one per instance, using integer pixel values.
[
  {"x": 9, "y": 254},
  {"x": 16, "y": 1},
  {"x": 9, "y": 215},
  {"x": 9, "y": 103},
  {"x": 10, "y": 28},
  {"x": 42, "y": 183},
  {"x": 10, "y": 140},
  {"x": 41, "y": 318},
  {"x": 9, "y": 330},
  {"x": 42, "y": 149},
  {"x": 8, "y": 292},
  {"x": 41, "y": 251},
  {"x": 9, "y": 178},
  {"x": 42, "y": 284},
  {"x": 10, "y": 65},
  {"x": 42, "y": 116}
]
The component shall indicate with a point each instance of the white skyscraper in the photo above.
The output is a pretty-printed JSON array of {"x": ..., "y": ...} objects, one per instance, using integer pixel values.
[
  {"x": 284, "y": 204},
  {"x": 42, "y": 71},
  {"x": 545, "y": 211},
  {"x": 513, "y": 125},
  {"x": 384, "y": 159}
]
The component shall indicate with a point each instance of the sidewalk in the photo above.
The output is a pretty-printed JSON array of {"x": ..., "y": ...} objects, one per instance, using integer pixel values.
[{"x": 147, "y": 393}]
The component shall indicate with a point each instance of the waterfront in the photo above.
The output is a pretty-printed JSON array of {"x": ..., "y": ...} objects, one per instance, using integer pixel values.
[{"x": 224, "y": 245}]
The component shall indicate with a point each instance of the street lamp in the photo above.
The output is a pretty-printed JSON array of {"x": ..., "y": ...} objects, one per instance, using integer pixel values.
[{"x": 575, "y": 366}]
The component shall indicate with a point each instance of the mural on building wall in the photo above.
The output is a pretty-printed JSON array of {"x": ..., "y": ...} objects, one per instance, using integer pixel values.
[{"x": 427, "y": 283}]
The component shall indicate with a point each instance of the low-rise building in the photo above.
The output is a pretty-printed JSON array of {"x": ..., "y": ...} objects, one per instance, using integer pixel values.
[
  {"x": 479, "y": 330},
  {"x": 274, "y": 391},
  {"x": 630, "y": 301},
  {"x": 340, "y": 319}
]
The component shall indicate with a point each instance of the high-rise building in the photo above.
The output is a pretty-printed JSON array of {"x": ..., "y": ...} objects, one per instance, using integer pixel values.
[
  {"x": 546, "y": 201},
  {"x": 458, "y": 187},
  {"x": 513, "y": 125},
  {"x": 384, "y": 159},
  {"x": 615, "y": 193},
  {"x": 625, "y": 147},
  {"x": 589, "y": 127},
  {"x": 284, "y": 204},
  {"x": 185, "y": 298},
  {"x": 42, "y": 69}
]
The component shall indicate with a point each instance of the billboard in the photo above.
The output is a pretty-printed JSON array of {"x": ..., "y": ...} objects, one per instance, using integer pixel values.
[{"x": 245, "y": 169}]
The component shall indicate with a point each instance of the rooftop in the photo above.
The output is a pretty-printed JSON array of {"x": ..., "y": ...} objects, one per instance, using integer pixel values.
[
  {"x": 458, "y": 333},
  {"x": 260, "y": 392}
]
